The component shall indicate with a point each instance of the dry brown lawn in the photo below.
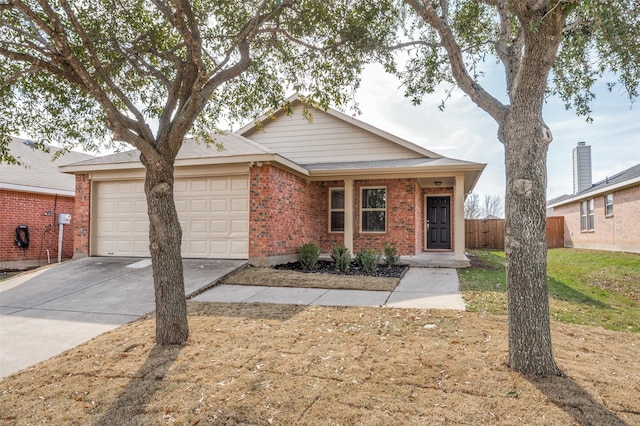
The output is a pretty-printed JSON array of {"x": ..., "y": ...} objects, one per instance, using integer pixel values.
[
  {"x": 283, "y": 278},
  {"x": 260, "y": 364}
]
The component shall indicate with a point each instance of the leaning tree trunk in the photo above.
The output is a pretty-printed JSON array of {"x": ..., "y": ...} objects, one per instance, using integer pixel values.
[{"x": 165, "y": 237}]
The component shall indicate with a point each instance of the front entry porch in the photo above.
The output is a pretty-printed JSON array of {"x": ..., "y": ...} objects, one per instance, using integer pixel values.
[{"x": 436, "y": 259}]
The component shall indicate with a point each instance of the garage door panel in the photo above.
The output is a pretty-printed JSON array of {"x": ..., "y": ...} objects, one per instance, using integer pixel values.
[
  {"x": 239, "y": 226},
  {"x": 213, "y": 214}
]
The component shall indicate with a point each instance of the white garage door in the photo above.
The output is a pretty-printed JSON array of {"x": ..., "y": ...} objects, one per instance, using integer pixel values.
[{"x": 213, "y": 212}]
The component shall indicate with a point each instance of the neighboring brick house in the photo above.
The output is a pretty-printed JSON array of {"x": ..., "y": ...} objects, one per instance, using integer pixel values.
[
  {"x": 31, "y": 198},
  {"x": 279, "y": 183},
  {"x": 604, "y": 215}
]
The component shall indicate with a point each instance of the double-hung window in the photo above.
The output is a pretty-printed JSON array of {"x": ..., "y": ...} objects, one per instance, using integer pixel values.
[
  {"x": 608, "y": 205},
  {"x": 373, "y": 210},
  {"x": 587, "y": 215},
  {"x": 336, "y": 210}
]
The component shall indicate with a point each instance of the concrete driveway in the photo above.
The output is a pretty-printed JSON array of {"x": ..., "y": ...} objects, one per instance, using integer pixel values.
[{"x": 48, "y": 311}]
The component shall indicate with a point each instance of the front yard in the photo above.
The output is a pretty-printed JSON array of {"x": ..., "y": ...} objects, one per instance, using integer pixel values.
[
  {"x": 586, "y": 287},
  {"x": 262, "y": 364}
]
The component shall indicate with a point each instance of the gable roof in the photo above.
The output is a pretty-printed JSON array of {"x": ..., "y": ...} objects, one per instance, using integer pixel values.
[
  {"x": 411, "y": 160},
  {"x": 327, "y": 136},
  {"x": 623, "y": 179},
  {"x": 39, "y": 173}
]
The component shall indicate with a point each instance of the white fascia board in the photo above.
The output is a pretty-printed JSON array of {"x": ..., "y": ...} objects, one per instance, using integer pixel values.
[
  {"x": 84, "y": 168},
  {"x": 409, "y": 171},
  {"x": 589, "y": 195},
  {"x": 37, "y": 190}
]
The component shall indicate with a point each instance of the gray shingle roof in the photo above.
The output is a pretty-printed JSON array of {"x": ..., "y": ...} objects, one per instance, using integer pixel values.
[
  {"x": 598, "y": 187},
  {"x": 38, "y": 171},
  {"x": 233, "y": 145}
]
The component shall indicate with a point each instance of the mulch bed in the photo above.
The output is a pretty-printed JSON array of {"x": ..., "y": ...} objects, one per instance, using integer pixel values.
[{"x": 327, "y": 267}]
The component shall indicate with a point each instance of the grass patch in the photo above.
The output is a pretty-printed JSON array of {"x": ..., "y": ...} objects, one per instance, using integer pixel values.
[{"x": 586, "y": 287}]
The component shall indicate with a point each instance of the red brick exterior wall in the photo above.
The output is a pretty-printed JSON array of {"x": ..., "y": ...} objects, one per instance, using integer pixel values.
[
  {"x": 287, "y": 211},
  {"x": 401, "y": 216},
  {"x": 619, "y": 232},
  {"x": 81, "y": 217},
  {"x": 24, "y": 208},
  {"x": 284, "y": 212}
]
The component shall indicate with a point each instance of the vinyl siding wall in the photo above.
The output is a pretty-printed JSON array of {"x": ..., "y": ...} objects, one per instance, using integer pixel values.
[{"x": 325, "y": 139}]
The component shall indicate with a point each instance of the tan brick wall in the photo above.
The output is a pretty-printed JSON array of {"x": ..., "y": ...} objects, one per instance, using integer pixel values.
[
  {"x": 620, "y": 232},
  {"x": 24, "y": 208}
]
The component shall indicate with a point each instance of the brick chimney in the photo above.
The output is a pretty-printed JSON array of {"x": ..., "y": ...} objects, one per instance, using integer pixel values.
[{"x": 581, "y": 167}]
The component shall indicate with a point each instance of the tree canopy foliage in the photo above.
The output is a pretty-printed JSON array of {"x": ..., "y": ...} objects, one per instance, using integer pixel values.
[
  {"x": 546, "y": 48},
  {"x": 129, "y": 70},
  {"x": 150, "y": 72}
]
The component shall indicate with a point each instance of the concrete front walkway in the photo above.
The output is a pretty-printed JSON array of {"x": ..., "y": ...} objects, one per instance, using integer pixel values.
[{"x": 420, "y": 288}]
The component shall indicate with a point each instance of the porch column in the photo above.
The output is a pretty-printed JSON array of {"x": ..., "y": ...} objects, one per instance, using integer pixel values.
[
  {"x": 348, "y": 214},
  {"x": 459, "y": 241}
]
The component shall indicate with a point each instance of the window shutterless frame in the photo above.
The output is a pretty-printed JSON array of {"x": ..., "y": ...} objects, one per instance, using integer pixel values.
[
  {"x": 336, "y": 210},
  {"x": 608, "y": 205},
  {"x": 373, "y": 209}
]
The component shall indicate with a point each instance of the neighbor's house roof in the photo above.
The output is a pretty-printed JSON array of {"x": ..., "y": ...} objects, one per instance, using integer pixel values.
[
  {"x": 39, "y": 173},
  {"x": 624, "y": 179}
]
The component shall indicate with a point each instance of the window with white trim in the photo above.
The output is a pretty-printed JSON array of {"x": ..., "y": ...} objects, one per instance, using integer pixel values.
[
  {"x": 587, "y": 217},
  {"x": 608, "y": 205},
  {"x": 373, "y": 210},
  {"x": 336, "y": 210}
]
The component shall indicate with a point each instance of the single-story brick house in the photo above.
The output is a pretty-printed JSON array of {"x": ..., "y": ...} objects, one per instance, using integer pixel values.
[
  {"x": 31, "y": 198},
  {"x": 604, "y": 215},
  {"x": 280, "y": 182}
]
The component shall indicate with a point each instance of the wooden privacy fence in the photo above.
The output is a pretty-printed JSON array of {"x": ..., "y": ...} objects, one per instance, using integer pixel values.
[{"x": 489, "y": 233}]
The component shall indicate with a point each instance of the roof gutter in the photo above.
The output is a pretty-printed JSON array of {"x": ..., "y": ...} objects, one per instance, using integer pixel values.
[{"x": 37, "y": 190}]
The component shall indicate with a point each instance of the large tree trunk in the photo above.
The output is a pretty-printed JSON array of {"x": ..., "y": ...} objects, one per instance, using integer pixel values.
[
  {"x": 165, "y": 237},
  {"x": 530, "y": 350}
]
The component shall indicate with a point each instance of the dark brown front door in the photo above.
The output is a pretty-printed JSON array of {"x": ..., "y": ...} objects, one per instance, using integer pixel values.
[{"x": 438, "y": 223}]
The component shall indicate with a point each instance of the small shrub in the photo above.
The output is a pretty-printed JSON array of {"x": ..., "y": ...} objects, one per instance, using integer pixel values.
[
  {"x": 308, "y": 256},
  {"x": 341, "y": 258},
  {"x": 369, "y": 259},
  {"x": 391, "y": 256}
]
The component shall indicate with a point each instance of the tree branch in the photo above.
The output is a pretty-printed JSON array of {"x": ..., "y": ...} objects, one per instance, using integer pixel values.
[{"x": 478, "y": 95}]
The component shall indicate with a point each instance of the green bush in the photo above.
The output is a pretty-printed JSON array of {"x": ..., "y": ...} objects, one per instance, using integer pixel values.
[
  {"x": 341, "y": 258},
  {"x": 369, "y": 259},
  {"x": 308, "y": 256},
  {"x": 391, "y": 256}
]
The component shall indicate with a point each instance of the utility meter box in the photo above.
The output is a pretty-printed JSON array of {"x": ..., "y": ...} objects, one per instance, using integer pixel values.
[{"x": 64, "y": 218}]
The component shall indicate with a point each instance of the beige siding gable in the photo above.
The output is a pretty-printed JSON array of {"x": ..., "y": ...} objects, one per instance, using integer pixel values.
[{"x": 326, "y": 138}]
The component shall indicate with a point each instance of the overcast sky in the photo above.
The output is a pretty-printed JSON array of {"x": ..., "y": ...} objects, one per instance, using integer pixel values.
[{"x": 466, "y": 132}]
